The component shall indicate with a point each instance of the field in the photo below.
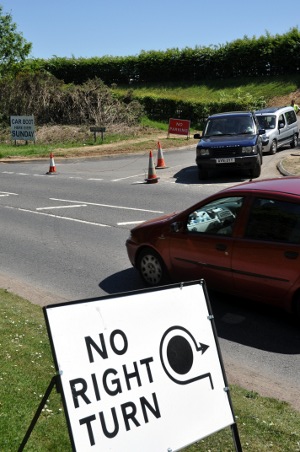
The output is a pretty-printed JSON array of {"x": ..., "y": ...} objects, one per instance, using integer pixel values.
[{"x": 74, "y": 141}]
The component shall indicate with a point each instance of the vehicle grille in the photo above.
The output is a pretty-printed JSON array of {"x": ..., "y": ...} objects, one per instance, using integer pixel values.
[{"x": 230, "y": 151}]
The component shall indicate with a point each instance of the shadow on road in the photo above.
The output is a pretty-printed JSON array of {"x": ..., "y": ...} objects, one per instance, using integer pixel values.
[
  {"x": 189, "y": 176},
  {"x": 240, "y": 321}
]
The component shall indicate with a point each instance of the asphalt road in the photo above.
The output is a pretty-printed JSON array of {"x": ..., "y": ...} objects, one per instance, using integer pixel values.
[{"x": 63, "y": 238}]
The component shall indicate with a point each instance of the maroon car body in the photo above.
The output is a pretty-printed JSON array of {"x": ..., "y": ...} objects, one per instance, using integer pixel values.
[{"x": 244, "y": 240}]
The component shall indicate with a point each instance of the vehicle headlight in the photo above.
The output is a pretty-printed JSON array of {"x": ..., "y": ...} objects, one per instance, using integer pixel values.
[
  {"x": 248, "y": 150},
  {"x": 203, "y": 152}
]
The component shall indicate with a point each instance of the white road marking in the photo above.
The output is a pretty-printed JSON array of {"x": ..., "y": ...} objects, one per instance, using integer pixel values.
[
  {"x": 130, "y": 222},
  {"x": 59, "y": 217},
  {"x": 7, "y": 193},
  {"x": 107, "y": 205},
  {"x": 92, "y": 178},
  {"x": 61, "y": 207},
  {"x": 128, "y": 177}
]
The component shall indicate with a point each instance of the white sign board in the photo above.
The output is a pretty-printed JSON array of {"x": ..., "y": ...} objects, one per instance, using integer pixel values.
[
  {"x": 141, "y": 371},
  {"x": 22, "y": 128}
]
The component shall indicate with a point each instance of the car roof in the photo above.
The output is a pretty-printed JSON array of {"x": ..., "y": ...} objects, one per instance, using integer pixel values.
[
  {"x": 273, "y": 109},
  {"x": 281, "y": 185},
  {"x": 231, "y": 113}
]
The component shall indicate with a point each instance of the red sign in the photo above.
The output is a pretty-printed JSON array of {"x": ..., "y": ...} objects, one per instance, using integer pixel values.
[{"x": 179, "y": 126}]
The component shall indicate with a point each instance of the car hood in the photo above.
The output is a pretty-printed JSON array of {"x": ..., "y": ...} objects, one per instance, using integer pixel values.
[
  {"x": 268, "y": 132},
  {"x": 159, "y": 221},
  {"x": 227, "y": 141}
]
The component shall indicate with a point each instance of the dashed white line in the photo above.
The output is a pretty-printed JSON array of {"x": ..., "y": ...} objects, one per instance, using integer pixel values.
[
  {"x": 128, "y": 177},
  {"x": 107, "y": 205},
  {"x": 7, "y": 193},
  {"x": 130, "y": 222},
  {"x": 61, "y": 207},
  {"x": 59, "y": 217}
]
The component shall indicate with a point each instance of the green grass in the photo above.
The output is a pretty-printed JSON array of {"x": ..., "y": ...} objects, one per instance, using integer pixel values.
[
  {"x": 211, "y": 91},
  {"x": 217, "y": 90},
  {"x": 41, "y": 150},
  {"x": 26, "y": 370}
]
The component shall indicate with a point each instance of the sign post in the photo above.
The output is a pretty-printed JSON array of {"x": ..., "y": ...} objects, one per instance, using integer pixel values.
[
  {"x": 140, "y": 371},
  {"x": 96, "y": 130}
]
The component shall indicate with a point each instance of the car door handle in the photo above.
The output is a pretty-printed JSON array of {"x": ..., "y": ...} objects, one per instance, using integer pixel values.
[
  {"x": 291, "y": 254},
  {"x": 221, "y": 247}
]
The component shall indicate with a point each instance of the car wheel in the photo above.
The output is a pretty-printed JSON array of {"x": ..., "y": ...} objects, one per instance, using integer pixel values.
[
  {"x": 294, "y": 143},
  {"x": 151, "y": 267},
  {"x": 256, "y": 170},
  {"x": 273, "y": 147}
]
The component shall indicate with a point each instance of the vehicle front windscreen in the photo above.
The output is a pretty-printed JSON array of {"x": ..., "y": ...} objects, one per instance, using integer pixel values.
[
  {"x": 231, "y": 125},
  {"x": 266, "y": 122}
]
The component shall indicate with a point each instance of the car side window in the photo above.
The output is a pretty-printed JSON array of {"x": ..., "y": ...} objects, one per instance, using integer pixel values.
[
  {"x": 281, "y": 120},
  {"x": 291, "y": 117},
  {"x": 273, "y": 220},
  {"x": 217, "y": 217}
]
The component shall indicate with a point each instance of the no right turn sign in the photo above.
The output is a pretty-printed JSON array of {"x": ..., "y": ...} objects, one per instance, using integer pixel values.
[{"x": 141, "y": 371}]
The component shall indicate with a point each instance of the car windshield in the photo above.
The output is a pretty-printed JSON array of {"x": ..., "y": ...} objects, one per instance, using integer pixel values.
[
  {"x": 231, "y": 125},
  {"x": 266, "y": 121}
]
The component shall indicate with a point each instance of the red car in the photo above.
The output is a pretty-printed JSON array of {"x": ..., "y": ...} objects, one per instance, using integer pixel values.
[{"x": 244, "y": 240}]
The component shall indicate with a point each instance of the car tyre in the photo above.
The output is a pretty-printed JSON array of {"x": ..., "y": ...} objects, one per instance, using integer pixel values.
[
  {"x": 151, "y": 267},
  {"x": 273, "y": 147},
  {"x": 256, "y": 171},
  {"x": 294, "y": 142}
]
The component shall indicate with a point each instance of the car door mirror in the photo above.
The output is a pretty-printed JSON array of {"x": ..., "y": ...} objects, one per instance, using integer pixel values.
[
  {"x": 177, "y": 226},
  {"x": 197, "y": 136}
]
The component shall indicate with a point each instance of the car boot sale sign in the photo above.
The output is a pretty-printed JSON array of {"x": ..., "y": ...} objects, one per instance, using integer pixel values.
[
  {"x": 22, "y": 128},
  {"x": 140, "y": 371}
]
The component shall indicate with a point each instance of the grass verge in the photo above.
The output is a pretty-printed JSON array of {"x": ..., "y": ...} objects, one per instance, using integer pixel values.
[
  {"x": 27, "y": 368},
  {"x": 216, "y": 90},
  {"x": 144, "y": 141}
]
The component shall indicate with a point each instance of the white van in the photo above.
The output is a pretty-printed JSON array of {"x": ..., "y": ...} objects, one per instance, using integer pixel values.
[{"x": 281, "y": 126}]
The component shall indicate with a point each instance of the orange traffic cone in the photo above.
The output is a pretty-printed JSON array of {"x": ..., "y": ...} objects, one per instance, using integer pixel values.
[
  {"x": 160, "y": 157},
  {"x": 152, "y": 178},
  {"x": 52, "y": 168}
]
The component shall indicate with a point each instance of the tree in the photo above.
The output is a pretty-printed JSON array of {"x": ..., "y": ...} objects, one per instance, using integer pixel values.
[{"x": 13, "y": 47}]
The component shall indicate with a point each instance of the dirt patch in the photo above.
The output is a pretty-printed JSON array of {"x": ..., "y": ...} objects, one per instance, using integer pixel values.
[{"x": 280, "y": 101}]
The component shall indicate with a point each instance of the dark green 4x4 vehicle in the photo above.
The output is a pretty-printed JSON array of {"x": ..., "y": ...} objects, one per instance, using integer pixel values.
[{"x": 230, "y": 140}]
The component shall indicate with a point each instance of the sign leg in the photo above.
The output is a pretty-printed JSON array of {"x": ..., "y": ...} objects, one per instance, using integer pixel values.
[{"x": 38, "y": 412}]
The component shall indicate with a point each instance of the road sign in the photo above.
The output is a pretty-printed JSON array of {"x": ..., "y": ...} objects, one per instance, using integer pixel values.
[
  {"x": 179, "y": 126},
  {"x": 140, "y": 371},
  {"x": 22, "y": 128}
]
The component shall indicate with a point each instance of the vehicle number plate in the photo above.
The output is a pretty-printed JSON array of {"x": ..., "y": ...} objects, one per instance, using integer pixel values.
[{"x": 226, "y": 160}]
